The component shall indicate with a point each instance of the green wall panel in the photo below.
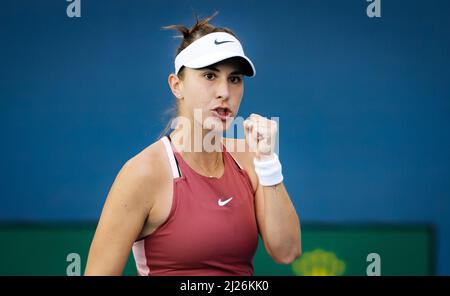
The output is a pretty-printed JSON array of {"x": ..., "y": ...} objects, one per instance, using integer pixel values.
[{"x": 42, "y": 249}]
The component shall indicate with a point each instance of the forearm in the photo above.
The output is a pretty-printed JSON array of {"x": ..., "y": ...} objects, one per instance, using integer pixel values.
[{"x": 282, "y": 225}]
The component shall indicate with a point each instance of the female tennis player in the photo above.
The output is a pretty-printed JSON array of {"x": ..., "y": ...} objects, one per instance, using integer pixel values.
[{"x": 185, "y": 210}]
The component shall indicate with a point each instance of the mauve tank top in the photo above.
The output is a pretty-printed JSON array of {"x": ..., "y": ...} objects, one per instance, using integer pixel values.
[{"x": 211, "y": 228}]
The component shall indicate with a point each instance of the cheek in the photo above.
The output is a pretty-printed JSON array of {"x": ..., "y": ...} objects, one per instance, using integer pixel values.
[
  {"x": 237, "y": 98},
  {"x": 196, "y": 95}
]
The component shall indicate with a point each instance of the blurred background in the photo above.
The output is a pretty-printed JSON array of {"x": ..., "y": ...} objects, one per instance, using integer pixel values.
[{"x": 363, "y": 106}]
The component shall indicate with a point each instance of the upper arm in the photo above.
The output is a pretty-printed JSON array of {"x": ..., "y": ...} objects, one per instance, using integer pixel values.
[{"x": 125, "y": 210}]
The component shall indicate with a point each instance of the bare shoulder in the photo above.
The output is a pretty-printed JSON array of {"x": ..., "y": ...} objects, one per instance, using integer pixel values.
[
  {"x": 149, "y": 162},
  {"x": 140, "y": 177}
]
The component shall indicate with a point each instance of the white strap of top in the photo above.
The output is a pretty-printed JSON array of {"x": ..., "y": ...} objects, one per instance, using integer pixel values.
[{"x": 173, "y": 163}]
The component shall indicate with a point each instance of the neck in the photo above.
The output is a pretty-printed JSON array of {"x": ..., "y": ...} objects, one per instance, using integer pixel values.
[{"x": 200, "y": 148}]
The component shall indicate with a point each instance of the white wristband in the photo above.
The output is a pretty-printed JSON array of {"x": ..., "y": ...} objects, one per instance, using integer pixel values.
[{"x": 268, "y": 171}]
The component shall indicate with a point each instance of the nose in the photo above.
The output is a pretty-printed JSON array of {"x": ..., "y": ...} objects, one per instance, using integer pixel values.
[{"x": 223, "y": 91}]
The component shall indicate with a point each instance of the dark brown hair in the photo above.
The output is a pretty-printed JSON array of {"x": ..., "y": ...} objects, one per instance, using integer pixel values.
[{"x": 201, "y": 28}]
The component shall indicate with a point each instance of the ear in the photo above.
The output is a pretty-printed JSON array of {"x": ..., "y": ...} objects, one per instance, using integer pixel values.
[{"x": 176, "y": 85}]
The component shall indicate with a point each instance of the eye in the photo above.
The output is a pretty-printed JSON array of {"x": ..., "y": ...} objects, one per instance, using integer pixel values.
[
  {"x": 209, "y": 76},
  {"x": 235, "y": 79}
]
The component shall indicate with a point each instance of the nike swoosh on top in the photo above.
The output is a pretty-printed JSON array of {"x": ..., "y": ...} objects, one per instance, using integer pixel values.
[
  {"x": 220, "y": 42},
  {"x": 222, "y": 203}
]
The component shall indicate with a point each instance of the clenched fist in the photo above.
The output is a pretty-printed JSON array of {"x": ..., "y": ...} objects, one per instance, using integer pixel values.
[{"x": 260, "y": 134}]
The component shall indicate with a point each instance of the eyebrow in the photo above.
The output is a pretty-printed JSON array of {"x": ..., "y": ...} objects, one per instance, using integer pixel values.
[{"x": 217, "y": 70}]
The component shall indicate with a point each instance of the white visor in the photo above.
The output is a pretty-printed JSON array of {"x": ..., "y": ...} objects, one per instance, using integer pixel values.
[{"x": 210, "y": 49}]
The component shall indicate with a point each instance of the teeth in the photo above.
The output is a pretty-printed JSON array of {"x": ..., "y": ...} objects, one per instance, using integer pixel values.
[{"x": 222, "y": 111}]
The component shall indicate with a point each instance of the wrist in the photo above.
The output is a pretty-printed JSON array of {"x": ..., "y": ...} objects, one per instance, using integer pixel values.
[
  {"x": 268, "y": 170},
  {"x": 265, "y": 157}
]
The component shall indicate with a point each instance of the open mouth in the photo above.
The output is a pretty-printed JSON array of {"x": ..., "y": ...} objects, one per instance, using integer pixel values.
[{"x": 222, "y": 113}]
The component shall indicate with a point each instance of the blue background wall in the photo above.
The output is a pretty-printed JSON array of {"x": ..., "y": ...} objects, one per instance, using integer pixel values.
[{"x": 364, "y": 103}]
